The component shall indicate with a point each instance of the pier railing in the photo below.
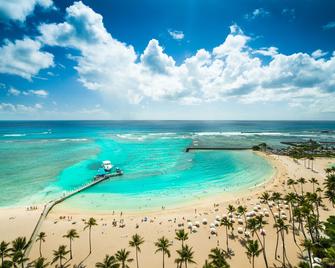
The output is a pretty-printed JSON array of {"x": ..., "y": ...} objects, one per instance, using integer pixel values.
[{"x": 48, "y": 206}]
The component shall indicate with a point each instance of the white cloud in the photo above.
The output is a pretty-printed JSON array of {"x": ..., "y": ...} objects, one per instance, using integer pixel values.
[
  {"x": 24, "y": 58},
  {"x": 14, "y": 91},
  {"x": 18, "y": 10},
  {"x": 258, "y": 12},
  {"x": 319, "y": 54},
  {"x": 39, "y": 92},
  {"x": 289, "y": 13},
  {"x": 232, "y": 70},
  {"x": 177, "y": 35},
  {"x": 19, "y": 108},
  {"x": 329, "y": 25}
]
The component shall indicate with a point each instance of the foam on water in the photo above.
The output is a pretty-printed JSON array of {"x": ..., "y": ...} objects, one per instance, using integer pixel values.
[{"x": 48, "y": 158}]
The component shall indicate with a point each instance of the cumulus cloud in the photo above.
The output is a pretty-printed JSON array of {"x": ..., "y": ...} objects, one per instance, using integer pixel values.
[
  {"x": 19, "y": 108},
  {"x": 231, "y": 70},
  {"x": 18, "y": 10},
  {"x": 177, "y": 35},
  {"x": 14, "y": 91},
  {"x": 319, "y": 54},
  {"x": 24, "y": 58},
  {"x": 329, "y": 25},
  {"x": 38, "y": 93},
  {"x": 258, "y": 12}
]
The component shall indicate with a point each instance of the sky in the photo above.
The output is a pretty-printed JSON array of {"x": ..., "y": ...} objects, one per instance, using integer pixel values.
[{"x": 167, "y": 59}]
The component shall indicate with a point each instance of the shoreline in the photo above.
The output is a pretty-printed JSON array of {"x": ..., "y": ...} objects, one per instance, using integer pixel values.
[
  {"x": 223, "y": 196},
  {"x": 107, "y": 239}
]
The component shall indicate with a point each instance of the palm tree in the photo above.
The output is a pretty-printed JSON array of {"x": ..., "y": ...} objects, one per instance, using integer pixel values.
[
  {"x": 282, "y": 228},
  {"x": 242, "y": 210},
  {"x": 231, "y": 209},
  {"x": 19, "y": 245},
  {"x": 163, "y": 245},
  {"x": 71, "y": 235},
  {"x": 181, "y": 235},
  {"x": 308, "y": 245},
  {"x": 122, "y": 256},
  {"x": 329, "y": 260},
  {"x": 217, "y": 258},
  {"x": 39, "y": 263},
  {"x": 41, "y": 238},
  {"x": 60, "y": 255},
  {"x": 302, "y": 181},
  {"x": 291, "y": 182},
  {"x": 254, "y": 225},
  {"x": 253, "y": 250},
  {"x": 314, "y": 181},
  {"x": 330, "y": 188},
  {"x": 4, "y": 251},
  {"x": 89, "y": 224},
  {"x": 108, "y": 262},
  {"x": 228, "y": 224},
  {"x": 135, "y": 242},
  {"x": 207, "y": 265},
  {"x": 185, "y": 256}
]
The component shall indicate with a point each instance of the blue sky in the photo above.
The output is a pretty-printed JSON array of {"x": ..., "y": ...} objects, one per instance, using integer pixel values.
[{"x": 176, "y": 59}]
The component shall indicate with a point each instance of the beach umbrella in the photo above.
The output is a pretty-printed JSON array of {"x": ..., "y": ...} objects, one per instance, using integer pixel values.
[
  {"x": 197, "y": 223},
  {"x": 262, "y": 232},
  {"x": 224, "y": 216},
  {"x": 217, "y": 217},
  {"x": 204, "y": 221},
  {"x": 240, "y": 230},
  {"x": 213, "y": 230},
  {"x": 216, "y": 223},
  {"x": 194, "y": 229},
  {"x": 247, "y": 233},
  {"x": 266, "y": 213},
  {"x": 212, "y": 225},
  {"x": 189, "y": 225},
  {"x": 240, "y": 221},
  {"x": 276, "y": 214},
  {"x": 232, "y": 220}
]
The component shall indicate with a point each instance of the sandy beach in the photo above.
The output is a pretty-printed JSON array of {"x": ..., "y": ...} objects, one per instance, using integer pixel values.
[{"x": 107, "y": 239}]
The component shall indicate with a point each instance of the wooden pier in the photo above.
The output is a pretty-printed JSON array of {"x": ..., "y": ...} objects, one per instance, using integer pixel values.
[
  {"x": 48, "y": 207},
  {"x": 216, "y": 149}
]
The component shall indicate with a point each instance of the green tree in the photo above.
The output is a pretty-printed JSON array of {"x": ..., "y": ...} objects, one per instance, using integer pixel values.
[
  {"x": 135, "y": 242},
  {"x": 88, "y": 225},
  {"x": 182, "y": 236},
  {"x": 60, "y": 255},
  {"x": 227, "y": 224},
  {"x": 122, "y": 256},
  {"x": 253, "y": 250},
  {"x": 4, "y": 251},
  {"x": 41, "y": 238},
  {"x": 217, "y": 258},
  {"x": 163, "y": 244},
  {"x": 71, "y": 235},
  {"x": 19, "y": 245},
  {"x": 185, "y": 256},
  {"x": 39, "y": 263},
  {"x": 108, "y": 262}
]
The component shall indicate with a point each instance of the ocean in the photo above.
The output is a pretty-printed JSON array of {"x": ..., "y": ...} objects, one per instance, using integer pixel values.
[{"x": 39, "y": 160}]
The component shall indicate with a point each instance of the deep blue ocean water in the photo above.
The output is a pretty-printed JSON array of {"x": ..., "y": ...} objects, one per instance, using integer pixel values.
[{"x": 41, "y": 159}]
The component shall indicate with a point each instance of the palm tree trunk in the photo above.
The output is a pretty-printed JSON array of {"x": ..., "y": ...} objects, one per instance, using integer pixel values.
[
  {"x": 136, "y": 257},
  {"x": 2, "y": 259},
  {"x": 277, "y": 242},
  {"x": 185, "y": 264},
  {"x": 227, "y": 238},
  {"x": 253, "y": 261},
  {"x": 163, "y": 259},
  {"x": 89, "y": 238},
  {"x": 70, "y": 249},
  {"x": 40, "y": 248},
  {"x": 263, "y": 246},
  {"x": 282, "y": 239},
  {"x": 310, "y": 257}
]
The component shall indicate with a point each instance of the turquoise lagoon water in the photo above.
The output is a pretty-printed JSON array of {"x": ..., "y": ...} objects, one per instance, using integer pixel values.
[{"x": 40, "y": 160}]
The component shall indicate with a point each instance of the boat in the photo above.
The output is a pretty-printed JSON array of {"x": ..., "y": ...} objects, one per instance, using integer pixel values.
[{"x": 107, "y": 165}]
